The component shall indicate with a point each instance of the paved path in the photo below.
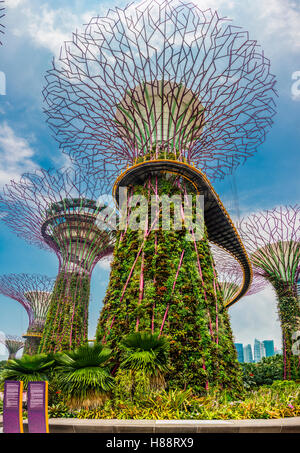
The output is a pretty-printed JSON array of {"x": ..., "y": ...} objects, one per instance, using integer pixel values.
[{"x": 73, "y": 425}]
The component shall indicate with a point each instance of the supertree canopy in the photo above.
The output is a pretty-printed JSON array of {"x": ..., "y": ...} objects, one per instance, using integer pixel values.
[
  {"x": 230, "y": 276},
  {"x": 13, "y": 344},
  {"x": 272, "y": 240},
  {"x": 162, "y": 96},
  {"x": 161, "y": 78},
  {"x": 63, "y": 211},
  {"x": 33, "y": 292}
]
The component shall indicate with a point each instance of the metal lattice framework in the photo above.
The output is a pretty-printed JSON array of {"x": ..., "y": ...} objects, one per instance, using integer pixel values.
[
  {"x": 33, "y": 292},
  {"x": 230, "y": 276},
  {"x": 272, "y": 239},
  {"x": 160, "y": 78},
  {"x": 13, "y": 344},
  {"x": 67, "y": 212},
  {"x": 2, "y": 14},
  {"x": 61, "y": 211}
]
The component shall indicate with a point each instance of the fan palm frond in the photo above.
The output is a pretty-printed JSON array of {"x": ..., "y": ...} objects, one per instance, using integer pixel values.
[
  {"x": 146, "y": 352},
  {"x": 28, "y": 368},
  {"x": 83, "y": 375}
]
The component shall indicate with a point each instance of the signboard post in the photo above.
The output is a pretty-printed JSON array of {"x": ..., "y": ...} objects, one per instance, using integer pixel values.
[
  {"x": 37, "y": 407},
  {"x": 12, "y": 407}
]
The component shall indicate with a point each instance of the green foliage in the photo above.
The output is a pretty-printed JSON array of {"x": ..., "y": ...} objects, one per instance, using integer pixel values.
[
  {"x": 154, "y": 285},
  {"x": 173, "y": 400},
  {"x": 266, "y": 371},
  {"x": 60, "y": 410},
  {"x": 264, "y": 403},
  {"x": 28, "y": 368},
  {"x": 31, "y": 345},
  {"x": 131, "y": 385},
  {"x": 66, "y": 324},
  {"x": 82, "y": 380},
  {"x": 148, "y": 353},
  {"x": 83, "y": 375},
  {"x": 2, "y": 363},
  {"x": 285, "y": 385},
  {"x": 289, "y": 316}
]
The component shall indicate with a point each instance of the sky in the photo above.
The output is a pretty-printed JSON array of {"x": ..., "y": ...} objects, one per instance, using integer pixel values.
[{"x": 35, "y": 30}]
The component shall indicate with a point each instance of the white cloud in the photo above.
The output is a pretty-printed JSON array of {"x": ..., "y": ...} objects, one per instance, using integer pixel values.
[
  {"x": 105, "y": 263},
  {"x": 14, "y": 3},
  {"x": 274, "y": 23},
  {"x": 15, "y": 155},
  {"x": 46, "y": 26},
  {"x": 62, "y": 161},
  {"x": 256, "y": 317}
]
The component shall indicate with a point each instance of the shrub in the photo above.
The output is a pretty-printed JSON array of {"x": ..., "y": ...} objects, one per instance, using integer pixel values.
[
  {"x": 28, "y": 368},
  {"x": 83, "y": 375},
  {"x": 273, "y": 402},
  {"x": 266, "y": 371},
  {"x": 148, "y": 354}
]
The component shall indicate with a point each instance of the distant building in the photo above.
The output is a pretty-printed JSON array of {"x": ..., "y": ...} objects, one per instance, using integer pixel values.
[
  {"x": 248, "y": 357},
  {"x": 269, "y": 347},
  {"x": 240, "y": 352},
  {"x": 259, "y": 350}
]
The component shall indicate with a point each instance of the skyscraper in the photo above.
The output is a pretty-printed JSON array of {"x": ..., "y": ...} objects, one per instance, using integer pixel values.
[
  {"x": 248, "y": 357},
  {"x": 240, "y": 352},
  {"x": 259, "y": 350},
  {"x": 269, "y": 347}
]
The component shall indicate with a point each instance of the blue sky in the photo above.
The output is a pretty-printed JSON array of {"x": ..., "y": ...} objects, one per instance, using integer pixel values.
[{"x": 35, "y": 29}]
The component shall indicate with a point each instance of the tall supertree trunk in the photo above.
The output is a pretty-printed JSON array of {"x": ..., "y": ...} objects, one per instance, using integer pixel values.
[
  {"x": 32, "y": 343},
  {"x": 33, "y": 336},
  {"x": 67, "y": 322},
  {"x": 289, "y": 316},
  {"x": 162, "y": 282}
]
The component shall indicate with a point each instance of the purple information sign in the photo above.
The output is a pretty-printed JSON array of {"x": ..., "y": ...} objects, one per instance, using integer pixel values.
[
  {"x": 37, "y": 407},
  {"x": 12, "y": 407}
]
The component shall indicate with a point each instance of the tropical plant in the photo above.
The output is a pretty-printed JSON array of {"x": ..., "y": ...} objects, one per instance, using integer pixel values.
[
  {"x": 83, "y": 375},
  {"x": 60, "y": 410},
  {"x": 274, "y": 402},
  {"x": 27, "y": 368},
  {"x": 147, "y": 353},
  {"x": 266, "y": 371},
  {"x": 173, "y": 399}
]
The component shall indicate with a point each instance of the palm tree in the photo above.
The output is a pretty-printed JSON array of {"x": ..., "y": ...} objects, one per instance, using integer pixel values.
[
  {"x": 28, "y": 368},
  {"x": 83, "y": 375},
  {"x": 147, "y": 353}
]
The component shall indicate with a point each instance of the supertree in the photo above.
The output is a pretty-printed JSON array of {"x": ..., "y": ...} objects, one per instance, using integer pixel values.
[
  {"x": 165, "y": 89},
  {"x": 272, "y": 240},
  {"x": 230, "y": 276},
  {"x": 65, "y": 212},
  {"x": 33, "y": 292},
  {"x": 2, "y": 14},
  {"x": 13, "y": 344}
]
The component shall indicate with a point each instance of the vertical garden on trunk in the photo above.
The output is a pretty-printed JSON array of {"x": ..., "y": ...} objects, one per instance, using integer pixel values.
[
  {"x": 67, "y": 320},
  {"x": 163, "y": 282}
]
